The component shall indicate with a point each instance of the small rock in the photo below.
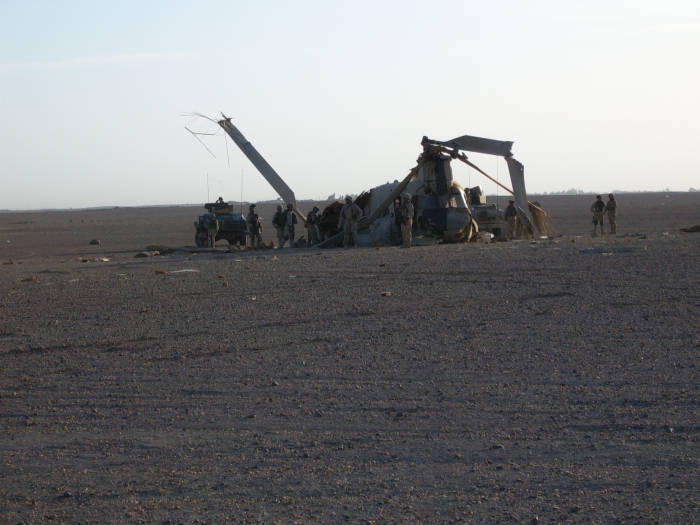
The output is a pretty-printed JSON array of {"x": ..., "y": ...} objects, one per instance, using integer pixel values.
[
  {"x": 29, "y": 279},
  {"x": 94, "y": 242},
  {"x": 161, "y": 272},
  {"x": 496, "y": 447}
]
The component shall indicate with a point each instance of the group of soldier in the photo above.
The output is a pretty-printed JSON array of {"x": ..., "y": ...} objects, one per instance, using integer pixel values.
[
  {"x": 600, "y": 209},
  {"x": 285, "y": 220}
]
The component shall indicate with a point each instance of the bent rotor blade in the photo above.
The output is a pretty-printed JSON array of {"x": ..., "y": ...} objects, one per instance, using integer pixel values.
[
  {"x": 478, "y": 145},
  {"x": 258, "y": 161}
]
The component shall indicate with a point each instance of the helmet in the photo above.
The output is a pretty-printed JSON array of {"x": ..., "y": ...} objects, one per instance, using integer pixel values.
[
  {"x": 407, "y": 196},
  {"x": 348, "y": 198},
  {"x": 315, "y": 209},
  {"x": 251, "y": 207},
  {"x": 279, "y": 206},
  {"x": 290, "y": 206},
  {"x": 611, "y": 196},
  {"x": 511, "y": 202}
]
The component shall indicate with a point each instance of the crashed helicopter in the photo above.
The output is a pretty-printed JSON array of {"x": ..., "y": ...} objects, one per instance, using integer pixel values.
[{"x": 444, "y": 209}]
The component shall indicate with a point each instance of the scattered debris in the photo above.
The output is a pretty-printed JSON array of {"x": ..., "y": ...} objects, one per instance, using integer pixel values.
[
  {"x": 9, "y": 262},
  {"x": 187, "y": 270},
  {"x": 222, "y": 276},
  {"x": 161, "y": 248},
  {"x": 98, "y": 259},
  {"x": 161, "y": 272},
  {"x": 386, "y": 294},
  {"x": 144, "y": 310},
  {"x": 622, "y": 249},
  {"x": 292, "y": 276},
  {"x": 145, "y": 254},
  {"x": 693, "y": 229},
  {"x": 225, "y": 284},
  {"x": 29, "y": 279},
  {"x": 94, "y": 242}
]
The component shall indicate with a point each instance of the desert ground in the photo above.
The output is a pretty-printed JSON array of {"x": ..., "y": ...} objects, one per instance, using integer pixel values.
[{"x": 511, "y": 382}]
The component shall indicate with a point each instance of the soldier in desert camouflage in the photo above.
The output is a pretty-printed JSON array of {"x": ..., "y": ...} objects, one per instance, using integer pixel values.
[
  {"x": 598, "y": 210},
  {"x": 611, "y": 210},
  {"x": 349, "y": 215},
  {"x": 290, "y": 220},
  {"x": 254, "y": 228},
  {"x": 278, "y": 223},
  {"x": 407, "y": 224}
]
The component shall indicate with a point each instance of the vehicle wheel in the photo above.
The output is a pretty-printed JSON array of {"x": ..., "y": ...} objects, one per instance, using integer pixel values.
[{"x": 201, "y": 239}]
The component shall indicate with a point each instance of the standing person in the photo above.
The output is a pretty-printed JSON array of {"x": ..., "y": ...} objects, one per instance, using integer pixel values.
[
  {"x": 611, "y": 210},
  {"x": 254, "y": 228},
  {"x": 212, "y": 229},
  {"x": 311, "y": 222},
  {"x": 290, "y": 219},
  {"x": 407, "y": 224},
  {"x": 511, "y": 219},
  {"x": 278, "y": 223},
  {"x": 598, "y": 210},
  {"x": 398, "y": 218},
  {"x": 349, "y": 215}
]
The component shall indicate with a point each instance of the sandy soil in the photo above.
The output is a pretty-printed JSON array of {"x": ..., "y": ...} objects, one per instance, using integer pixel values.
[{"x": 511, "y": 382}]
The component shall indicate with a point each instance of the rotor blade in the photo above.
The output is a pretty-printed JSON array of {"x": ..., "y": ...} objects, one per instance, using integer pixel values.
[
  {"x": 463, "y": 158},
  {"x": 477, "y": 145},
  {"x": 367, "y": 221},
  {"x": 258, "y": 161},
  {"x": 517, "y": 177}
]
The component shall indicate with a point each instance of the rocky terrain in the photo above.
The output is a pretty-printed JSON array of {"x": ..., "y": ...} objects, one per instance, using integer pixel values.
[{"x": 514, "y": 382}]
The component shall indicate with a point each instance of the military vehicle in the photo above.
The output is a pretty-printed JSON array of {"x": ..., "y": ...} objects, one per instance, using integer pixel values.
[
  {"x": 444, "y": 210},
  {"x": 231, "y": 226}
]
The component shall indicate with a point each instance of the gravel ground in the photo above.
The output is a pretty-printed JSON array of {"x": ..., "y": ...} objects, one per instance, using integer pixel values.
[{"x": 517, "y": 382}]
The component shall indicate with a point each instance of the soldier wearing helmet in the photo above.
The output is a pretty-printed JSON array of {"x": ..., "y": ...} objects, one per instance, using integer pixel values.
[
  {"x": 254, "y": 228},
  {"x": 611, "y": 210},
  {"x": 312, "y": 220},
  {"x": 278, "y": 223},
  {"x": 350, "y": 214},
  {"x": 290, "y": 219},
  {"x": 512, "y": 219},
  {"x": 598, "y": 210},
  {"x": 407, "y": 224}
]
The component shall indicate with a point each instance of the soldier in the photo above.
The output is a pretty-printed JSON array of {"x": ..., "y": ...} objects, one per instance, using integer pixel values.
[
  {"x": 212, "y": 229},
  {"x": 278, "y": 223},
  {"x": 611, "y": 210},
  {"x": 407, "y": 224},
  {"x": 511, "y": 219},
  {"x": 398, "y": 218},
  {"x": 598, "y": 210},
  {"x": 349, "y": 215},
  {"x": 311, "y": 222},
  {"x": 290, "y": 219},
  {"x": 254, "y": 228}
]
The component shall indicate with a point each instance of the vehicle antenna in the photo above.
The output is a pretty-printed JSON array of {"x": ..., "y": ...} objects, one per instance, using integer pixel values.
[
  {"x": 496, "y": 181},
  {"x": 207, "y": 187}
]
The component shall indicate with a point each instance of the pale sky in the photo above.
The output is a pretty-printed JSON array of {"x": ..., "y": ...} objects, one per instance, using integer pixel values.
[{"x": 336, "y": 95}]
